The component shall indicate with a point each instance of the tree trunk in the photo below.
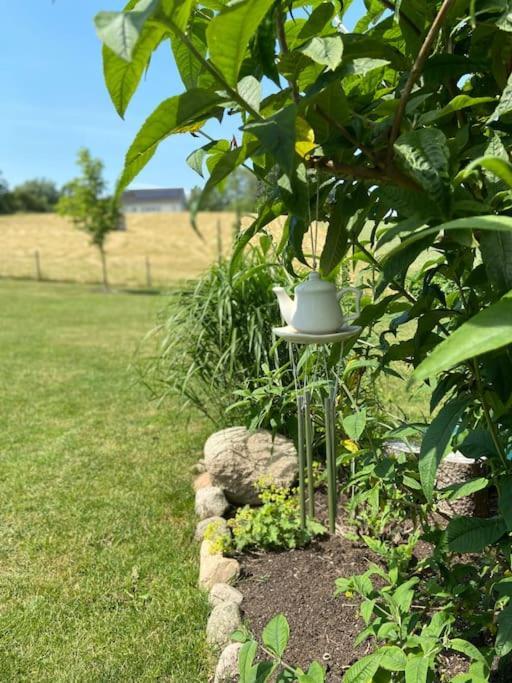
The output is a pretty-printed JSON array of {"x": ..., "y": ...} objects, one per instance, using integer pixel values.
[{"x": 104, "y": 269}]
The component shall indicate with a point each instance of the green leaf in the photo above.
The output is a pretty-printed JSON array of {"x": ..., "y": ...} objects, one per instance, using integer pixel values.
[
  {"x": 504, "y": 635},
  {"x": 245, "y": 661},
  {"x": 473, "y": 534},
  {"x": 425, "y": 157},
  {"x": 504, "y": 107},
  {"x": 488, "y": 222},
  {"x": 393, "y": 658},
  {"x": 120, "y": 31},
  {"x": 315, "y": 674},
  {"x": 229, "y": 33},
  {"x": 486, "y": 331},
  {"x": 496, "y": 165},
  {"x": 327, "y": 50},
  {"x": 277, "y": 136},
  {"x": 249, "y": 89},
  {"x": 336, "y": 241},
  {"x": 276, "y": 634},
  {"x": 355, "y": 424},
  {"x": 456, "y": 104},
  {"x": 468, "y": 649},
  {"x": 266, "y": 215},
  {"x": 179, "y": 114},
  {"x": 122, "y": 77},
  {"x": 416, "y": 669},
  {"x": 189, "y": 65},
  {"x": 505, "y": 500},
  {"x": 464, "y": 488},
  {"x": 364, "y": 669},
  {"x": 496, "y": 248},
  {"x": 436, "y": 442}
]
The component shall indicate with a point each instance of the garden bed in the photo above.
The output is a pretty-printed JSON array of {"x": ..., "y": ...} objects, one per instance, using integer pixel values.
[{"x": 300, "y": 584}]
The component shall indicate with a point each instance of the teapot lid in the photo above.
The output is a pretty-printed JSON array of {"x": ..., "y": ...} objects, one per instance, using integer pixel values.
[{"x": 314, "y": 284}]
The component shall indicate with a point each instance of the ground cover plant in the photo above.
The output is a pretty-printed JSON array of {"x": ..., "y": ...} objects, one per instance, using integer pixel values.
[
  {"x": 405, "y": 123},
  {"x": 98, "y": 578}
]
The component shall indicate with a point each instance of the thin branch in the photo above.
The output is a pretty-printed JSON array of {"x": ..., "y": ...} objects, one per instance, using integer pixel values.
[
  {"x": 391, "y": 176},
  {"x": 346, "y": 134},
  {"x": 415, "y": 73}
]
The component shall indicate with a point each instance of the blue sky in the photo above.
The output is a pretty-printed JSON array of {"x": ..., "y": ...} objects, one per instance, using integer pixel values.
[{"x": 54, "y": 100}]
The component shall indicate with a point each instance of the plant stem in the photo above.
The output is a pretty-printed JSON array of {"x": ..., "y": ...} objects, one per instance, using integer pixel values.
[
  {"x": 391, "y": 176},
  {"x": 232, "y": 92},
  {"x": 415, "y": 73},
  {"x": 283, "y": 44},
  {"x": 488, "y": 417}
]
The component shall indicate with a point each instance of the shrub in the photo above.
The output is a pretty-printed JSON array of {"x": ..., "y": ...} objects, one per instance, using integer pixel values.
[{"x": 214, "y": 337}]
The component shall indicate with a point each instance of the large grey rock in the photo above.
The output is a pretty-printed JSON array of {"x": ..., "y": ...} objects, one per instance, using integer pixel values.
[
  {"x": 237, "y": 459},
  {"x": 210, "y": 502},
  {"x": 215, "y": 568},
  {"x": 227, "y": 666},
  {"x": 217, "y": 526},
  {"x": 224, "y": 619},
  {"x": 222, "y": 592}
]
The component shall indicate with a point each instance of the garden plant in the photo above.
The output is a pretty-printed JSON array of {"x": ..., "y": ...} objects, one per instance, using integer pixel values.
[{"x": 396, "y": 135}]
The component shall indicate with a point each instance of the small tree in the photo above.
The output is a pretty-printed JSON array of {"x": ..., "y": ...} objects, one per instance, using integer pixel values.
[
  {"x": 6, "y": 203},
  {"x": 84, "y": 201}
]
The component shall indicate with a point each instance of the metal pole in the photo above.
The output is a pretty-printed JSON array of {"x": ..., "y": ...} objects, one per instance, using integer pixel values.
[
  {"x": 300, "y": 450},
  {"x": 333, "y": 459},
  {"x": 328, "y": 463},
  {"x": 309, "y": 454},
  {"x": 38, "y": 265},
  {"x": 149, "y": 281}
]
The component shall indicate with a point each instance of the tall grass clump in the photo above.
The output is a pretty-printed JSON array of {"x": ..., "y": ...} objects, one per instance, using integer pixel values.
[{"x": 215, "y": 336}]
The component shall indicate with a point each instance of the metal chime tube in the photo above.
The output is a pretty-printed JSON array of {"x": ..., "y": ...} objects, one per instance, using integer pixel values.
[
  {"x": 309, "y": 453},
  {"x": 328, "y": 463},
  {"x": 302, "y": 464},
  {"x": 334, "y": 492}
]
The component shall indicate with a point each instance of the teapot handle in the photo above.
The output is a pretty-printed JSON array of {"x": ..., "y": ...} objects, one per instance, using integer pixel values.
[{"x": 357, "y": 297}]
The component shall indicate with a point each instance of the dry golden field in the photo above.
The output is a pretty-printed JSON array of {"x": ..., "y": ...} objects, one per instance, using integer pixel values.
[{"x": 167, "y": 240}]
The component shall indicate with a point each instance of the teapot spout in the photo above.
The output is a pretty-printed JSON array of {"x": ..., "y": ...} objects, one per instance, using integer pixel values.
[{"x": 286, "y": 304}]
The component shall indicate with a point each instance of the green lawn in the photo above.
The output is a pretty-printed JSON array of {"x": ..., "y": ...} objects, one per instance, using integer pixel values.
[{"x": 98, "y": 572}]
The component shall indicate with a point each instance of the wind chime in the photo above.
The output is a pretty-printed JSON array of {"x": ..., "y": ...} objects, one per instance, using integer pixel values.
[{"x": 314, "y": 317}]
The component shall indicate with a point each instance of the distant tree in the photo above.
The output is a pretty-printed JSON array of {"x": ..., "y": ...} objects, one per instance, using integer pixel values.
[
  {"x": 6, "y": 201},
  {"x": 91, "y": 210},
  {"x": 238, "y": 193},
  {"x": 37, "y": 195}
]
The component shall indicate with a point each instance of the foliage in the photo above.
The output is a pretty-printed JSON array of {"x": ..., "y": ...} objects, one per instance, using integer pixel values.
[
  {"x": 215, "y": 336},
  {"x": 6, "y": 203},
  {"x": 275, "y": 524},
  {"x": 275, "y": 638},
  {"x": 83, "y": 200},
  {"x": 397, "y": 135},
  {"x": 37, "y": 195},
  {"x": 238, "y": 193}
]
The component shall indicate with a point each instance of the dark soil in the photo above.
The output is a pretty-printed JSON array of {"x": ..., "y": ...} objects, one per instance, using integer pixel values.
[{"x": 301, "y": 584}]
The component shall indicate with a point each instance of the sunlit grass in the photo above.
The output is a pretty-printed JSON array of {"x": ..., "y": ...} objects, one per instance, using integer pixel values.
[{"x": 97, "y": 570}]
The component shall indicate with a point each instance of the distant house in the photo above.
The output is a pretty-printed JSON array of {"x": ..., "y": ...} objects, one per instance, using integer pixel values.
[{"x": 150, "y": 201}]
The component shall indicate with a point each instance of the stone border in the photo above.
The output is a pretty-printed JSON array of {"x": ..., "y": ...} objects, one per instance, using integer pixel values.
[{"x": 216, "y": 574}]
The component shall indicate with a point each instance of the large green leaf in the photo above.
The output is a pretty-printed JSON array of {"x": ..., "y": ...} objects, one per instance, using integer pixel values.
[
  {"x": 504, "y": 107},
  {"x": 416, "y": 669},
  {"x": 123, "y": 77},
  {"x": 456, "y": 104},
  {"x": 424, "y": 155},
  {"x": 488, "y": 222},
  {"x": 336, "y": 241},
  {"x": 505, "y": 500},
  {"x": 327, "y": 50},
  {"x": 504, "y": 635},
  {"x": 189, "y": 64},
  {"x": 474, "y": 534},
  {"x": 436, "y": 442},
  {"x": 120, "y": 31},
  {"x": 488, "y": 330},
  {"x": 496, "y": 248},
  {"x": 245, "y": 662},
  {"x": 179, "y": 114},
  {"x": 229, "y": 33},
  {"x": 276, "y": 633},
  {"x": 496, "y": 165},
  {"x": 277, "y": 136},
  {"x": 364, "y": 669}
]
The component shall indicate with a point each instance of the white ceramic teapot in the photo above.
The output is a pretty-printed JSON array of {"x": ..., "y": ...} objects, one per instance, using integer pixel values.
[{"x": 316, "y": 308}]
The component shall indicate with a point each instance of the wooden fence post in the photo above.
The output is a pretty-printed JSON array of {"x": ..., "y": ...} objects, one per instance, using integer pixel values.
[
  {"x": 149, "y": 280},
  {"x": 38, "y": 265}
]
